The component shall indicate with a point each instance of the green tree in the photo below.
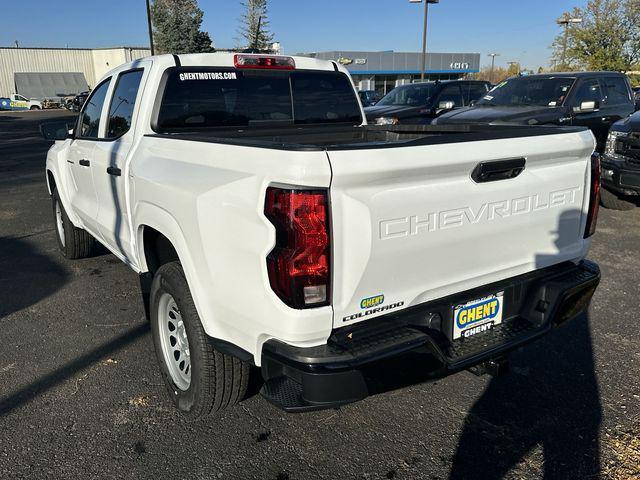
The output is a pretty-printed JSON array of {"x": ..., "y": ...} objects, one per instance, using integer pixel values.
[
  {"x": 608, "y": 38},
  {"x": 254, "y": 29},
  {"x": 176, "y": 27}
]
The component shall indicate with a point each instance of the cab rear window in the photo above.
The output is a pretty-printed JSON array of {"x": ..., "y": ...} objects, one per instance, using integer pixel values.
[{"x": 196, "y": 99}]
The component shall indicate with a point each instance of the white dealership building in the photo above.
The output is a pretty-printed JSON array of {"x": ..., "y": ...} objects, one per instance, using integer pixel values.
[{"x": 71, "y": 67}]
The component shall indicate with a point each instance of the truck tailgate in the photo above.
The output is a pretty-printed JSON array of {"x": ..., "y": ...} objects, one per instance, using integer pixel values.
[{"x": 410, "y": 225}]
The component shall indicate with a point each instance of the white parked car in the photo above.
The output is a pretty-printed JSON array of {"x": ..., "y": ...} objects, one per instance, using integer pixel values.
[{"x": 271, "y": 226}]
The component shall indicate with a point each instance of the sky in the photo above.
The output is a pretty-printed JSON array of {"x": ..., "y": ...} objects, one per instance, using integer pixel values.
[{"x": 517, "y": 30}]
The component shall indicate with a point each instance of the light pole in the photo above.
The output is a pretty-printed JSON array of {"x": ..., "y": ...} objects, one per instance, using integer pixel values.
[
  {"x": 493, "y": 63},
  {"x": 150, "y": 28},
  {"x": 565, "y": 21},
  {"x": 424, "y": 34}
]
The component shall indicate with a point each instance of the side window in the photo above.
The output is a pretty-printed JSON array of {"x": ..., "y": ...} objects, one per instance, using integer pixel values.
[
  {"x": 122, "y": 103},
  {"x": 89, "y": 123},
  {"x": 472, "y": 92},
  {"x": 451, "y": 93},
  {"x": 617, "y": 91},
  {"x": 588, "y": 91}
]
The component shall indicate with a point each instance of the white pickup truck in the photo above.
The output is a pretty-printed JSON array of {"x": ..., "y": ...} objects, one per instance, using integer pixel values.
[
  {"x": 271, "y": 226},
  {"x": 18, "y": 102}
]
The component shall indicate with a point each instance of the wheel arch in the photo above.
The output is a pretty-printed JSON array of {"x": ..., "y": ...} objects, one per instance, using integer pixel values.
[
  {"x": 51, "y": 181},
  {"x": 159, "y": 240}
]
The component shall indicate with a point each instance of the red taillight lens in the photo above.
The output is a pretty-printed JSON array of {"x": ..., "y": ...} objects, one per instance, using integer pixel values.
[
  {"x": 594, "y": 196},
  {"x": 298, "y": 266},
  {"x": 264, "y": 61}
]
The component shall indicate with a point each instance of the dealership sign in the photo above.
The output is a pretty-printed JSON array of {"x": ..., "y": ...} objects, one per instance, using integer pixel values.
[{"x": 459, "y": 66}]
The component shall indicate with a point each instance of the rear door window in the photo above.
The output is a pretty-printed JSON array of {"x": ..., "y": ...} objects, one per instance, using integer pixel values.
[
  {"x": 616, "y": 90},
  {"x": 472, "y": 92},
  {"x": 122, "y": 103},
  {"x": 451, "y": 93},
  {"x": 197, "y": 99}
]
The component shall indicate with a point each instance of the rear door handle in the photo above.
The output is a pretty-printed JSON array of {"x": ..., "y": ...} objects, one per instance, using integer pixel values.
[
  {"x": 498, "y": 170},
  {"x": 84, "y": 162},
  {"x": 115, "y": 171}
]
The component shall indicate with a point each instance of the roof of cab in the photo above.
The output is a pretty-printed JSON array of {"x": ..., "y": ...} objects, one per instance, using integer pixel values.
[{"x": 226, "y": 59}]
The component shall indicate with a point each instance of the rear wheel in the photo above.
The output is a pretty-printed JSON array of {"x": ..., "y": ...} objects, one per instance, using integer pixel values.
[
  {"x": 73, "y": 242},
  {"x": 200, "y": 379},
  {"x": 612, "y": 201}
]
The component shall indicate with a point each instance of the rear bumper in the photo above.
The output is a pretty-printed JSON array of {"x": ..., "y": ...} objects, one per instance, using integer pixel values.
[
  {"x": 617, "y": 177},
  {"x": 339, "y": 372}
]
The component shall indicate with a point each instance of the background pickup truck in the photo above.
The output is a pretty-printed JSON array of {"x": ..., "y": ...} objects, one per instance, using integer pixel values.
[
  {"x": 271, "y": 226},
  {"x": 621, "y": 165},
  {"x": 18, "y": 102}
]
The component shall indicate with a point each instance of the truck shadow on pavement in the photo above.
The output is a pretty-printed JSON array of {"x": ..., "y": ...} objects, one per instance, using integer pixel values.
[
  {"x": 544, "y": 418},
  {"x": 26, "y": 276},
  {"x": 70, "y": 369}
]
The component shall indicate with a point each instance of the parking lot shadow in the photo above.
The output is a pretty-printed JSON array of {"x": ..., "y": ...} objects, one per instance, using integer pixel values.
[
  {"x": 544, "y": 417},
  {"x": 68, "y": 370},
  {"x": 26, "y": 276}
]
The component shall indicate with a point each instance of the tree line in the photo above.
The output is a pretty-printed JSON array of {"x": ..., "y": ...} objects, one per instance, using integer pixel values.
[{"x": 606, "y": 38}]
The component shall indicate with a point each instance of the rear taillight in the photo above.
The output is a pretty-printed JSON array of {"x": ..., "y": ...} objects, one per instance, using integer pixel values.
[
  {"x": 594, "y": 196},
  {"x": 265, "y": 62},
  {"x": 298, "y": 266}
]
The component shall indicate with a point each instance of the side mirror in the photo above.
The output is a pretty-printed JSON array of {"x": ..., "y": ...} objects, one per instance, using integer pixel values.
[
  {"x": 56, "y": 131},
  {"x": 446, "y": 105},
  {"x": 587, "y": 107}
]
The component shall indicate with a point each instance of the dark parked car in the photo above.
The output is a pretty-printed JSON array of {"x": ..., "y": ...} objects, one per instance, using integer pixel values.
[
  {"x": 369, "y": 97},
  {"x": 621, "y": 165},
  {"x": 421, "y": 102},
  {"x": 636, "y": 92},
  {"x": 592, "y": 99},
  {"x": 78, "y": 101}
]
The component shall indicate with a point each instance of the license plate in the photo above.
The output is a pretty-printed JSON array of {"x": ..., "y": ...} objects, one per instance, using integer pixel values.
[{"x": 477, "y": 316}]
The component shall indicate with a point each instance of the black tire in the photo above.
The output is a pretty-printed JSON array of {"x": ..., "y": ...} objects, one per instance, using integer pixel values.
[
  {"x": 78, "y": 243},
  {"x": 218, "y": 380},
  {"x": 34, "y": 107},
  {"x": 611, "y": 201}
]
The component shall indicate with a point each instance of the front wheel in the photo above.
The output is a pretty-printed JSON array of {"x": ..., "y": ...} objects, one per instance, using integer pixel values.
[
  {"x": 73, "y": 242},
  {"x": 34, "y": 107},
  {"x": 611, "y": 201},
  {"x": 200, "y": 379}
]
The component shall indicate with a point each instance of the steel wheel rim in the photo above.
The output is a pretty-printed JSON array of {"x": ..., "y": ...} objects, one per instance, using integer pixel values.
[
  {"x": 59, "y": 223},
  {"x": 174, "y": 342}
]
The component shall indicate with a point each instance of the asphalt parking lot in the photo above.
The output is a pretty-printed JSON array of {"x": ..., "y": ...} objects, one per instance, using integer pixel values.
[{"x": 81, "y": 395}]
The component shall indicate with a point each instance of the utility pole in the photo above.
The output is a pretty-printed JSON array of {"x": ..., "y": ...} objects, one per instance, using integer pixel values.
[
  {"x": 493, "y": 63},
  {"x": 565, "y": 21},
  {"x": 150, "y": 28},
  {"x": 424, "y": 35}
]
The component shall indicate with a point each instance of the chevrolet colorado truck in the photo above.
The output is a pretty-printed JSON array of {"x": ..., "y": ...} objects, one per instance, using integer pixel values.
[{"x": 271, "y": 226}]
